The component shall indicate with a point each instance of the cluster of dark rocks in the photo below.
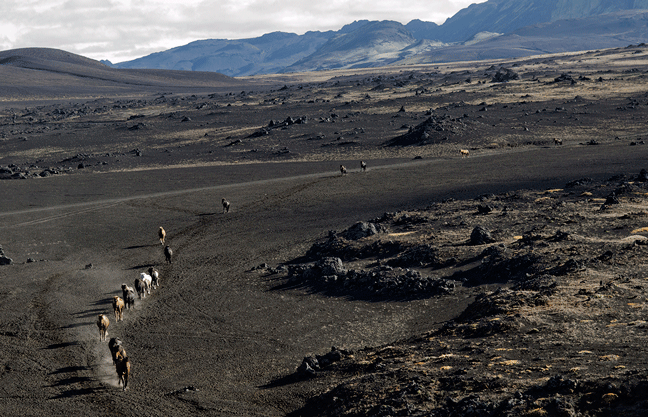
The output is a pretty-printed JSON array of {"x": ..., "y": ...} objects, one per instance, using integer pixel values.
[
  {"x": 558, "y": 396},
  {"x": 505, "y": 75},
  {"x": 287, "y": 122},
  {"x": 65, "y": 166},
  {"x": 511, "y": 351},
  {"x": 499, "y": 264},
  {"x": 477, "y": 319},
  {"x": 432, "y": 130},
  {"x": 569, "y": 78},
  {"x": 396, "y": 274},
  {"x": 312, "y": 364},
  {"x": 551, "y": 399},
  {"x": 341, "y": 244},
  {"x": 505, "y": 301},
  {"x": 274, "y": 124},
  {"x": 14, "y": 172},
  {"x": 381, "y": 281},
  {"x": 345, "y": 250},
  {"x": 424, "y": 255}
]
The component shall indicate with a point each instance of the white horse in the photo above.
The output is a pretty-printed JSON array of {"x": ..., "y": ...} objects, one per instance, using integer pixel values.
[{"x": 148, "y": 281}]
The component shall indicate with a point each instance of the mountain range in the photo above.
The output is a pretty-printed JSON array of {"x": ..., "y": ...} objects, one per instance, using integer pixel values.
[{"x": 489, "y": 30}]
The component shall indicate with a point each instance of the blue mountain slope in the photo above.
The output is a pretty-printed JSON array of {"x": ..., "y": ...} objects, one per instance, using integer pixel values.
[
  {"x": 369, "y": 43},
  {"x": 262, "y": 55}
]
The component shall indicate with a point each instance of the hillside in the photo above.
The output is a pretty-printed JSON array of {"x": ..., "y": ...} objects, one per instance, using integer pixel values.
[
  {"x": 505, "y": 16},
  {"x": 532, "y": 26},
  {"x": 611, "y": 30},
  {"x": 373, "y": 44},
  {"x": 41, "y": 72},
  {"x": 267, "y": 54}
]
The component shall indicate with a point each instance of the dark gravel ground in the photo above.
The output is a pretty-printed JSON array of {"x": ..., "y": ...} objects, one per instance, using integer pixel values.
[{"x": 238, "y": 311}]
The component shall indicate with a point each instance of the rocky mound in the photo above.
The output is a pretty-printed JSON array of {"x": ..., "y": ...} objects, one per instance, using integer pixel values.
[
  {"x": 558, "y": 291},
  {"x": 504, "y": 75},
  {"x": 434, "y": 129}
]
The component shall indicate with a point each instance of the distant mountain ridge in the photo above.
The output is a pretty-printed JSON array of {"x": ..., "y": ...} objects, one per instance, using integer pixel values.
[
  {"x": 371, "y": 43},
  {"x": 470, "y": 33},
  {"x": 611, "y": 30},
  {"x": 266, "y": 54},
  {"x": 505, "y": 16}
]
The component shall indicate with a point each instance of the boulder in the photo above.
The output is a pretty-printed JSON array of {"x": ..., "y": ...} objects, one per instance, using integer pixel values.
[
  {"x": 330, "y": 266},
  {"x": 360, "y": 230},
  {"x": 565, "y": 77},
  {"x": 643, "y": 175},
  {"x": 611, "y": 199},
  {"x": 3, "y": 259},
  {"x": 310, "y": 364},
  {"x": 308, "y": 367},
  {"x": 504, "y": 75},
  {"x": 579, "y": 182},
  {"x": 561, "y": 384},
  {"x": 484, "y": 209},
  {"x": 481, "y": 236}
]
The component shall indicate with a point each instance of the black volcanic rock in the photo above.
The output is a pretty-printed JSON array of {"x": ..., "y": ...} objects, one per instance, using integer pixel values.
[
  {"x": 504, "y": 74},
  {"x": 643, "y": 176},
  {"x": 360, "y": 230},
  {"x": 431, "y": 130},
  {"x": 4, "y": 260},
  {"x": 480, "y": 236}
]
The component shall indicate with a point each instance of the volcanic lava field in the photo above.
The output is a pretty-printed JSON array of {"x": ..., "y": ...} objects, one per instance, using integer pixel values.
[{"x": 506, "y": 282}]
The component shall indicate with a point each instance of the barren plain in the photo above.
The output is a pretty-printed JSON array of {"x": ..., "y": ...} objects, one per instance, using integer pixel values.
[{"x": 507, "y": 283}]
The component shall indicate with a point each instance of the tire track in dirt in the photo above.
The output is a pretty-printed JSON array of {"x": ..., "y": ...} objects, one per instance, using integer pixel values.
[
  {"x": 221, "y": 333},
  {"x": 95, "y": 207},
  {"x": 196, "y": 232},
  {"x": 106, "y": 203},
  {"x": 66, "y": 375}
]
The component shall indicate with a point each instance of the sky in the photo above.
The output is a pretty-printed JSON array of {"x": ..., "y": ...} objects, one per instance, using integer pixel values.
[{"x": 122, "y": 30}]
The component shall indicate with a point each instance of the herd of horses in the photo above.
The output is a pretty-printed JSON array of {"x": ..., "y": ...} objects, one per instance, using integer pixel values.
[{"x": 142, "y": 286}]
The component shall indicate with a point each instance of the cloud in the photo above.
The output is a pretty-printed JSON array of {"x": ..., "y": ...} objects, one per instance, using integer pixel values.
[{"x": 122, "y": 30}]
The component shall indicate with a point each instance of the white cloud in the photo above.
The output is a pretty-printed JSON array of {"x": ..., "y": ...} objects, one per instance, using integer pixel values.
[{"x": 121, "y": 30}]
